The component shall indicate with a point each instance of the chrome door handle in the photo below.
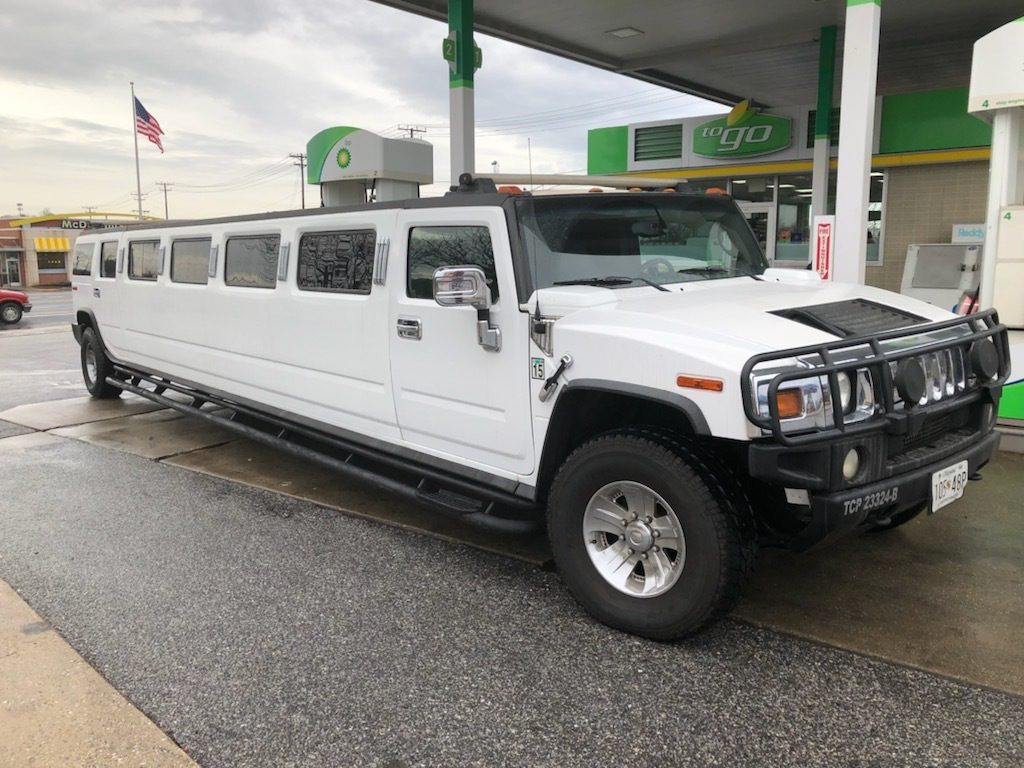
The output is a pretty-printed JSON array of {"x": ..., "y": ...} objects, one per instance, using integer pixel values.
[
  {"x": 96, "y": 292},
  {"x": 410, "y": 328}
]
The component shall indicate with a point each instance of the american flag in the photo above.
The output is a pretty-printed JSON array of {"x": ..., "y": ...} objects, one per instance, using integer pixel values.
[{"x": 147, "y": 125}]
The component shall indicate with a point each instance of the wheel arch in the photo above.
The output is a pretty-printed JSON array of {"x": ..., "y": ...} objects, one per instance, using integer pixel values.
[
  {"x": 84, "y": 318},
  {"x": 589, "y": 407}
]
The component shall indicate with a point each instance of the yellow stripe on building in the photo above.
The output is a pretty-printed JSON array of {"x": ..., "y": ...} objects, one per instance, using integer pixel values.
[{"x": 52, "y": 244}]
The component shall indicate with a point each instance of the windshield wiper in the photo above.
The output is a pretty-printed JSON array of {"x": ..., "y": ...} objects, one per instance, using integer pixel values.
[
  {"x": 609, "y": 280},
  {"x": 704, "y": 271}
]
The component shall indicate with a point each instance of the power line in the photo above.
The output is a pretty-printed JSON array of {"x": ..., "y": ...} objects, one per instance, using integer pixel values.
[{"x": 412, "y": 129}]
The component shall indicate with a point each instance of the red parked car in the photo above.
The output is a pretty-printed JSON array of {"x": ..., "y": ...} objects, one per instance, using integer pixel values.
[{"x": 13, "y": 304}]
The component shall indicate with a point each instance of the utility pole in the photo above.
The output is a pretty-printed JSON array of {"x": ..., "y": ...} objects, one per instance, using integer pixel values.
[
  {"x": 140, "y": 196},
  {"x": 300, "y": 159},
  {"x": 89, "y": 208},
  {"x": 412, "y": 129},
  {"x": 165, "y": 185}
]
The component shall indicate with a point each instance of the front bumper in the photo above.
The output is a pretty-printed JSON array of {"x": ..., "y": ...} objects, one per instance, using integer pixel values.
[
  {"x": 834, "y": 514},
  {"x": 26, "y": 308}
]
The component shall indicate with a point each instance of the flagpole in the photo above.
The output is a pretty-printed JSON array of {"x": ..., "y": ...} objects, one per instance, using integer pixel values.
[{"x": 135, "y": 133}]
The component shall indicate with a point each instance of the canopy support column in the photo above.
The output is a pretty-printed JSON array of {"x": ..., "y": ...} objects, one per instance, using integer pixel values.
[
  {"x": 460, "y": 84},
  {"x": 823, "y": 121},
  {"x": 856, "y": 134}
]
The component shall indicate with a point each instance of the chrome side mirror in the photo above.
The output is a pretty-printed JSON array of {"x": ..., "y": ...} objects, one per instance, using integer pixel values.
[
  {"x": 467, "y": 287},
  {"x": 461, "y": 286}
]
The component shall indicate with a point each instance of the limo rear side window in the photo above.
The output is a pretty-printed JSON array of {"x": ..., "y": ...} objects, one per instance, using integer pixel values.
[
  {"x": 143, "y": 259},
  {"x": 336, "y": 261},
  {"x": 190, "y": 261},
  {"x": 108, "y": 259},
  {"x": 83, "y": 259},
  {"x": 251, "y": 262}
]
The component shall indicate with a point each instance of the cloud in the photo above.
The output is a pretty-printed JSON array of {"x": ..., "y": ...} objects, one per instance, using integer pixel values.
[{"x": 239, "y": 84}]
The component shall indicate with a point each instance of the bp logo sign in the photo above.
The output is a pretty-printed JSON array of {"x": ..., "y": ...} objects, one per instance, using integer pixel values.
[
  {"x": 742, "y": 133},
  {"x": 344, "y": 157}
]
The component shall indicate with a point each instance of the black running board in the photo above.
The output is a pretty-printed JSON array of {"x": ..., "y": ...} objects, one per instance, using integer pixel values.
[{"x": 477, "y": 504}]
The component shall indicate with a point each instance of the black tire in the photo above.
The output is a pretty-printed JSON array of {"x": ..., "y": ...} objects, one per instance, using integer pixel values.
[
  {"x": 96, "y": 382},
  {"x": 895, "y": 521},
  {"x": 710, "y": 505},
  {"x": 11, "y": 312}
]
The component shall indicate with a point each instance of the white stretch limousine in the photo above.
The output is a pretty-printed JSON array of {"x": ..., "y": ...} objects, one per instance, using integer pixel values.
[{"x": 626, "y": 361}]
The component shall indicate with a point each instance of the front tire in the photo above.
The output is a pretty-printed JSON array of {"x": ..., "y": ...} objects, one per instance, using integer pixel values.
[
  {"x": 96, "y": 367},
  {"x": 651, "y": 535},
  {"x": 11, "y": 312}
]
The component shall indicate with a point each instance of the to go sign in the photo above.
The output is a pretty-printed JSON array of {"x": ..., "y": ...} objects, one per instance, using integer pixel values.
[{"x": 756, "y": 135}]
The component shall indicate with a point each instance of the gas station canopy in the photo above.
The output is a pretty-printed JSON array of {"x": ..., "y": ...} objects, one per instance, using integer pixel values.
[{"x": 729, "y": 50}]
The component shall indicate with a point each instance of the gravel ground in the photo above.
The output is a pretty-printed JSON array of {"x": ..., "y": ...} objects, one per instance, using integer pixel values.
[{"x": 263, "y": 631}]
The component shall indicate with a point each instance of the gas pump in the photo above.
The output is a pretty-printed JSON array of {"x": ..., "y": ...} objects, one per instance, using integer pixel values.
[{"x": 997, "y": 96}]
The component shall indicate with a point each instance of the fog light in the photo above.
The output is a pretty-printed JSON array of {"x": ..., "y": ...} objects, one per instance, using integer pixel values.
[{"x": 851, "y": 464}]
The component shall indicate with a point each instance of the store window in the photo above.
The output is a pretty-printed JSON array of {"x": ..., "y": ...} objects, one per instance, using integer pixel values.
[
  {"x": 697, "y": 186},
  {"x": 52, "y": 262},
  {"x": 757, "y": 189},
  {"x": 793, "y": 227}
]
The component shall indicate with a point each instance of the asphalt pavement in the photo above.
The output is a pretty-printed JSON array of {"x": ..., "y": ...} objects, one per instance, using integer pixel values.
[
  {"x": 50, "y": 307},
  {"x": 261, "y": 630}
]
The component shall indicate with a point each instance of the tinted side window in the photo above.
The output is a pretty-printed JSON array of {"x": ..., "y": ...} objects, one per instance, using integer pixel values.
[
  {"x": 251, "y": 262},
  {"x": 143, "y": 259},
  {"x": 433, "y": 247},
  {"x": 190, "y": 261},
  {"x": 108, "y": 259},
  {"x": 83, "y": 260},
  {"x": 336, "y": 261}
]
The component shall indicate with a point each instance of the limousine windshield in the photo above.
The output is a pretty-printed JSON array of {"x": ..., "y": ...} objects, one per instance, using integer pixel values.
[{"x": 625, "y": 240}]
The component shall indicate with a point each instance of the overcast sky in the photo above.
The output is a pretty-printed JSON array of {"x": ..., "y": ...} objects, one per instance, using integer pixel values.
[{"x": 239, "y": 84}]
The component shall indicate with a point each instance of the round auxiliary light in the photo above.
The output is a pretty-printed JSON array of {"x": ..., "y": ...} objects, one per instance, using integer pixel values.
[
  {"x": 845, "y": 389},
  {"x": 910, "y": 380},
  {"x": 851, "y": 464},
  {"x": 984, "y": 359}
]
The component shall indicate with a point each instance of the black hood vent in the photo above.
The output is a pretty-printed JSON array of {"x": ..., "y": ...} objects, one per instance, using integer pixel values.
[{"x": 854, "y": 317}]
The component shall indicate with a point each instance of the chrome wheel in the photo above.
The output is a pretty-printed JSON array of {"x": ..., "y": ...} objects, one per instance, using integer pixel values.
[
  {"x": 634, "y": 539},
  {"x": 10, "y": 313},
  {"x": 90, "y": 364}
]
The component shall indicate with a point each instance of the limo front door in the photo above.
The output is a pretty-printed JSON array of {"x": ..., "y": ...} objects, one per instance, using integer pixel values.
[{"x": 453, "y": 398}]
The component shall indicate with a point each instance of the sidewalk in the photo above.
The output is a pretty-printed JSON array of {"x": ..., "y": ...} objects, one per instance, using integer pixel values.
[{"x": 56, "y": 710}]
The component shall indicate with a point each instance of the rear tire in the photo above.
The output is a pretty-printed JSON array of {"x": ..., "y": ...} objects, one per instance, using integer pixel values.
[
  {"x": 11, "y": 312},
  {"x": 96, "y": 367},
  {"x": 681, "y": 497}
]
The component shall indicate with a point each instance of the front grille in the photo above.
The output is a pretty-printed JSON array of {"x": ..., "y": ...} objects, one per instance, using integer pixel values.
[{"x": 934, "y": 428}]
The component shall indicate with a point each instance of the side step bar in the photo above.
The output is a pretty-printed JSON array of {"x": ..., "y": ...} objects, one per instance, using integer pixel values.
[{"x": 464, "y": 499}]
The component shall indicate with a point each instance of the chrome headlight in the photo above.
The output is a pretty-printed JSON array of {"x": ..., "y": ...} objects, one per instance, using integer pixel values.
[{"x": 806, "y": 403}]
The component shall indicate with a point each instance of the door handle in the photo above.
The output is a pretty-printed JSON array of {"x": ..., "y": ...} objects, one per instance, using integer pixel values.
[
  {"x": 410, "y": 328},
  {"x": 96, "y": 292}
]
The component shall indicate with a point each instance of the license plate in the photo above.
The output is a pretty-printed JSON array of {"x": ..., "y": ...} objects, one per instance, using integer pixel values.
[{"x": 948, "y": 485}]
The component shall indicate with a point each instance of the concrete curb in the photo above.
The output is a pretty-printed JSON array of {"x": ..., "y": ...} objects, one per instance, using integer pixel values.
[{"x": 57, "y": 710}]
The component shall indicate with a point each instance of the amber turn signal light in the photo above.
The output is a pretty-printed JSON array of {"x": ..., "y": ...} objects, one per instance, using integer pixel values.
[
  {"x": 697, "y": 382},
  {"x": 790, "y": 403}
]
